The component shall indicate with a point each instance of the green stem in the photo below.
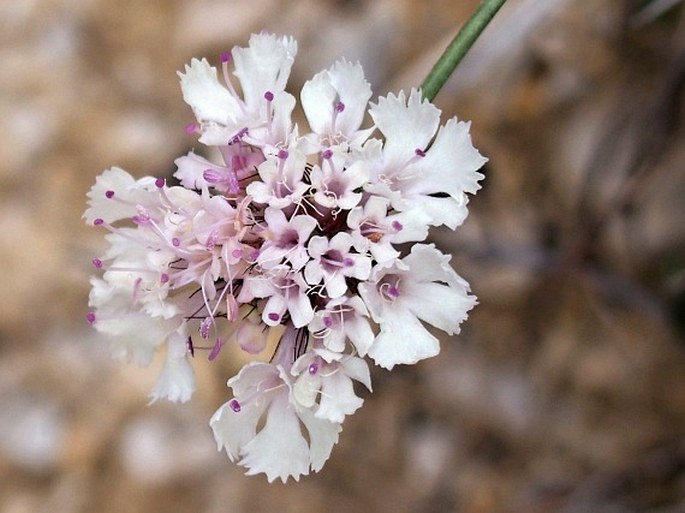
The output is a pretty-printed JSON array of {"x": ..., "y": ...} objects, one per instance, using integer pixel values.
[{"x": 461, "y": 44}]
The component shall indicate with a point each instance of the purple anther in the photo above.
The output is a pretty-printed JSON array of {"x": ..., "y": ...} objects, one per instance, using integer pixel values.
[
  {"x": 97, "y": 263},
  {"x": 254, "y": 255},
  {"x": 204, "y": 327},
  {"x": 212, "y": 176},
  {"x": 176, "y": 242},
  {"x": 328, "y": 321},
  {"x": 237, "y": 253},
  {"x": 191, "y": 128},
  {"x": 393, "y": 291},
  {"x": 216, "y": 349},
  {"x": 98, "y": 221},
  {"x": 90, "y": 317},
  {"x": 164, "y": 278},
  {"x": 313, "y": 368},
  {"x": 109, "y": 194},
  {"x": 339, "y": 107},
  {"x": 327, "y": 154},
  {"x": 397, "y": 226},
  {"x": 348, "y": 262},
  {"x": 234, "y": 405},
  {"x": 274, "y": 316},
  {"x": 225, "y": 56},
  {"x": 160, "y": 182},
  {"x": 282, "y": 154},
  {"x": 419, "y": 152},
  {"x": 269, "y": 96}
]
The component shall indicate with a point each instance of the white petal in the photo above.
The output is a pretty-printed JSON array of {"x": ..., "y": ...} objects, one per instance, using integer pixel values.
[
  {"x": 317, "y": 97},
  {"x": 177, "y": 381},
  {"x": 440, "y": 305},
  {"x": 406, "y": 125},
  {"x": 209, "y": 100},
  {"x": 233, "y": 430},
  {"x": 451, "y": 163},
  {"x": 402, "y": 339},
  {"x": 323, "y": 435},
  {"x": 279, "y": 449},
  {"x": 264, "y": 66},
  {"x": 354, "y": 92},
  {"x": 337, "y": 398}
]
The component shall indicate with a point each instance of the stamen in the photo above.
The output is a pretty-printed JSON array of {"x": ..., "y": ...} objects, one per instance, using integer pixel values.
[
  {"x": 419, "y": 152},
  {"x": 90, "y": 317},
  {"x": 313, "y": 368},
  {"x": 216, "y": 349},
  {"x": 192, "y": 128},
  {"x": 109, "y": 194},
  {"x": 97, "y": 263},
  {"x": 269, "y": 96},
  {"x": 164, "y": 278},
  {"x": 348, "y": 262},
  {"x": 225, "y": 57},
  {"x": 328, "y": 321},
  {"x": 160, "y": 182},
  {"x": 327, "y": 154},
  {"x": 397, "y": 225},
  {"x": 282, "y": 154},
  {"x": 339, "y": 107},
  {"x": 99, "y": 221},
  {"x": 274, "y": 316},
  {"x": 175, "y": 242}
]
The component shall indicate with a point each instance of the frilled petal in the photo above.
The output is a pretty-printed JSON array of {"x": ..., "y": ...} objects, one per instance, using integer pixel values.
[
  {"x": 264, "y": 66},
  {"x": 451, "y": 163},
  {"x": 323, "y": 435},
  {"x": 232, "y": 430},
  {"x": 337, "y": 398},
  {"x": 279, "y": 450},
  {"x": 210, "y": 101},
  {"x": 335, "y": 100},
  {"x": 407, "y": 125},
  {"x": 402, "y": 340},
  {"x": 114, "y": 185}
]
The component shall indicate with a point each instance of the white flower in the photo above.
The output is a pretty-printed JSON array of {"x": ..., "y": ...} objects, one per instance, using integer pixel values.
[
  {"x": 420, "y": 287},
  {"x": 324, "y": 379},
  {"x": 332, "y": 262},
  {"x": 279, "y": 449},
  {"x": 411, "y": 173},
  {"x": 374, "y": 230},
  {"x": 286, "y": 292},
  {"x": 264, "y": 111},
  {"x": 343, "y": 318},
  {"x": 285, "y": 239},
  {"x": 338, "y": 188},
  {"x": 281, "y": 182}
]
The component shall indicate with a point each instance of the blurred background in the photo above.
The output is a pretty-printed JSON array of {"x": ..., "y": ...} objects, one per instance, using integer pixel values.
[{"x": 565, "y": 391}]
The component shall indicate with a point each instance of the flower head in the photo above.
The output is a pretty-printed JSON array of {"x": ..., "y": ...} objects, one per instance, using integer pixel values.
[{"x": 295, "y": 238}]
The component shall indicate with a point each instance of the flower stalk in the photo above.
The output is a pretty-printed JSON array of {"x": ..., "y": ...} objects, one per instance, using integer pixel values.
[{"x": 457, "y": 49}]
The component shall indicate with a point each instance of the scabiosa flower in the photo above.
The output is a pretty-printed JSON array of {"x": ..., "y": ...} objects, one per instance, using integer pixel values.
[{"x": 293, "y": 236}]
